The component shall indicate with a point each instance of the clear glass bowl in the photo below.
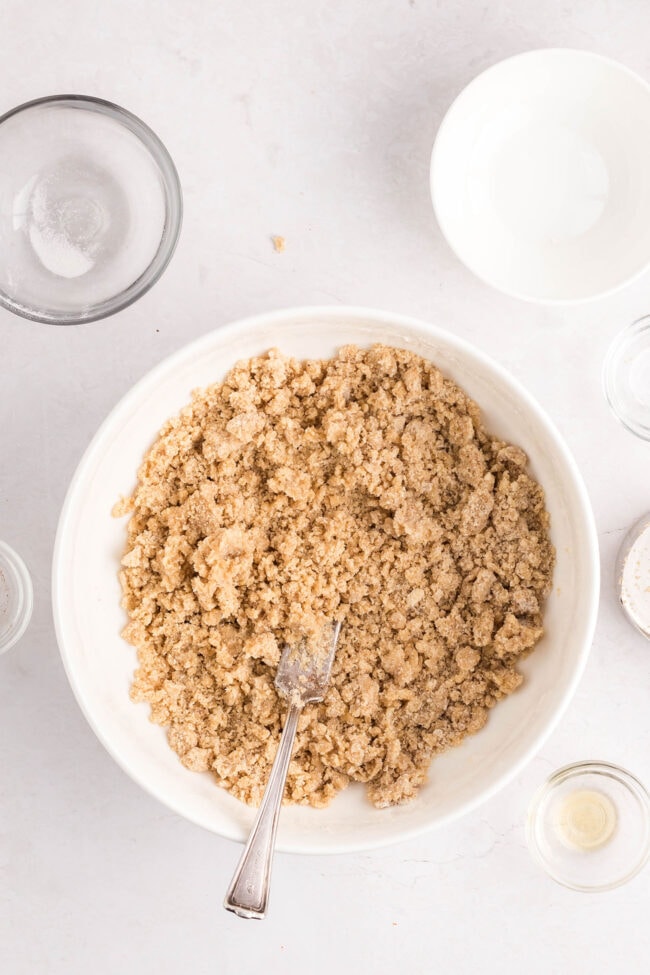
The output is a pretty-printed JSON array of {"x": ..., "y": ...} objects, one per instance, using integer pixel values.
[
  {"x": 90, "y": 209},
  {"x": 16, "y": 597},
  {"x": 614, "y": 856},
  {"x": 626, "y": 377},
  {"x": 632, "y": 574}
]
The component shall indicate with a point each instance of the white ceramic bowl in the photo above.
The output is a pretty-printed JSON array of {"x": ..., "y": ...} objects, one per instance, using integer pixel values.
[
  {"x": 540, "y": 177},
  {"x": 86, "y": 593}
]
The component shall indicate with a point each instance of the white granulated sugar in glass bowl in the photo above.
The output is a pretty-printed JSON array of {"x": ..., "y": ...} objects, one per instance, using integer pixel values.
[{"x": 90, "y": 209}]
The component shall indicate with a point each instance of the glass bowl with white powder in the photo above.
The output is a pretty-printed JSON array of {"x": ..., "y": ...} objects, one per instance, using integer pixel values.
[
  {"x": 90, "y": 209},
  {"x": 632, "y": 575}
]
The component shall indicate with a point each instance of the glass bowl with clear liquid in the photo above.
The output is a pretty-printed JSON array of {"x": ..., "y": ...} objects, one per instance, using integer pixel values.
[{"x": 90, "y": 209}]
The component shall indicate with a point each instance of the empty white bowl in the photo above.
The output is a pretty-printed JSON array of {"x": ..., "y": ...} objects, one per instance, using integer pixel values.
[
  {"x": 540, "y": 178},
  {"x": 86, "y": 592}
]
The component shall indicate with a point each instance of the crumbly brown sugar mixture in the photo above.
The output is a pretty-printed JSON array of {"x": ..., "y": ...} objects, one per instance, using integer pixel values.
[{"x": 363, "y": 489}]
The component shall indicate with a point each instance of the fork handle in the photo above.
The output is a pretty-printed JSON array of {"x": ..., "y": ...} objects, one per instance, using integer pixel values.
[{"x": 248, "y": 893}]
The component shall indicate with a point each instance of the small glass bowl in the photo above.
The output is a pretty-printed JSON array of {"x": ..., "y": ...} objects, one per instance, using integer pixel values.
[
  {"x": 16, "y": 597},
  {"x": 632, "y": 572},
  {"x": 624, "y": 850},
  {"x": 90, "y": 209},
  {"x": 626, "y": 377}
]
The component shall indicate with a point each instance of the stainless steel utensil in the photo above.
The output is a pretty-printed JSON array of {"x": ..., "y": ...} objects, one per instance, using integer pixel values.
[{"x": 302, "y": 678}]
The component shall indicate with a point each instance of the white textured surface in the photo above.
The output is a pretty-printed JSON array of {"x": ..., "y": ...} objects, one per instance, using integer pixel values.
[{"x": 313, "y": 121}]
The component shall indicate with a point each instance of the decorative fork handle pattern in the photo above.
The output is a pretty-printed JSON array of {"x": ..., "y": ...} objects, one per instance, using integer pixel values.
[{"x": 248, "y": 893}]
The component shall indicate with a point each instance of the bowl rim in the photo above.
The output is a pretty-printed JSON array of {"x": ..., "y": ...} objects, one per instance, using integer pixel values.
[
  {"x": 169, "y": 237},
  {"x": 570, "y": 52},
  {"x": 356, "y": 313}
]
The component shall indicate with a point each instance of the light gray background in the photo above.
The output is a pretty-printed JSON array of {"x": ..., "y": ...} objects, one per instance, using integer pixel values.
[{"x": 312, "y": 119}]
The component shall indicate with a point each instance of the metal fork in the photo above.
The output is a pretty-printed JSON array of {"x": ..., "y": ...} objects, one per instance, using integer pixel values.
[{"x": 302, "y": 678}]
